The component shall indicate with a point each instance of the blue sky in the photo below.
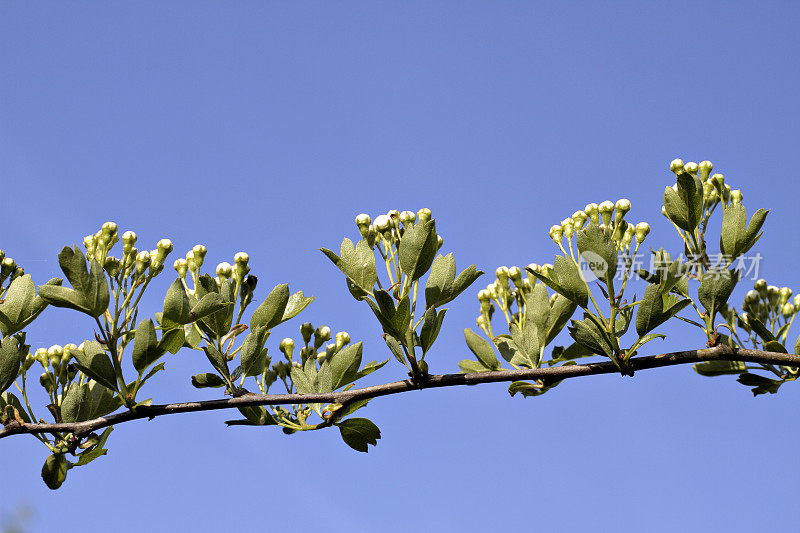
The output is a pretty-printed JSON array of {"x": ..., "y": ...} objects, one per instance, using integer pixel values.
[{"x": 267, "y": 127}]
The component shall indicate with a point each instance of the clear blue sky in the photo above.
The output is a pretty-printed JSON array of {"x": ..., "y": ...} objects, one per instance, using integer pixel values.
[{"x": 267, "y": 126}]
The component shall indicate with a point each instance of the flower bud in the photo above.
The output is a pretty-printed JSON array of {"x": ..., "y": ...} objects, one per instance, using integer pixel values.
[
  {"x": 704, "y": 169},
  {"x": 382, "y": 223},
  {"x": 785, "y": 293},
  {"x": 55, "y": 352},
  {"x": 224, "y": 270},
  {"x": 163, "y": 247},
  {"x": 579, "y": 219},
  {"x": 321, "y": 335},
  {"x": 787, "y": 310},
  {"x": 198, "y": 254},
  {"x": 761, "y": 287},
  {"x": 752, "y": 298},
  {"x": 109, "y": 228},
  {"x": 773, "y": 294},
  {"x": 664, "y": 211},
  {"x": 90, "y": 245},
  {"x": 567, "y": 227},
  {"x": 180, "y": 267},
  {"x": 797, "y": 301},
  {"x": 42, "y": 357},
  {"x": 736, "y": 196},
  {"x": 627, "y": 237},
  {"x": 593, "y": 211},
  {"x": 439, "y": 242},
  {"x": 556, "y": 233},
  {"x": 547, "y": 270},
  {"x": 642, "y": 230},
  {"x": 622, "y": 206},
  {"x": 112, "y": 266},
  {"x": 691, "y": 167},
  {"x": 287, "y": 348},
  {"x": 128, "y": 239},
  {"x": 342, "y": 340},
  {"x": 515, "y": 273},
  {"x": 605, "y": 209},
  {"x": 306, "y": 330},
  {"x": 408, "y": 218},
  {"x": 8, "y": 266},
  {"x": 363, "y": 222},
  {"x": 424, "y": 214},
  {"x": 676, "y": 166},
  {"x": 142, "y": 261},
  {"x": 484, "y": 296},
  {"x": 502, "y": 273}
]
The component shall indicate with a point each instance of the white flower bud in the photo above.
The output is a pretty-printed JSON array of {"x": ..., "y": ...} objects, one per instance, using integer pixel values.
[
  {"x": 424, "y": 214},
  {"x": 363, "y": 220},
  {"x": 224, "y": 270},
  {"x": 736, "y": 196},
  {"x": 241, "y": 258},
  {"x": 787, "y": 310},
  {"x": 484, "y": 295},
  {"x": 287, "y": 348},
  {"x": 605, "y": 209},
  {"x": 382, "y": 223},
  {"x": 515, "y": 273},
  {"x": 642, "y": 230},
  {"x": 579, "y": 219},
  {"x": 785, "y": 293},
  {"x": 676, "y": 166},
  {"x": 439, "y": 242},
  {"x": 592, "y": 210},
  {"x": 567, "y": 227},
  {"x": 180, "y": 267},
  {"x": 342, "y": 340},
  {"x": 704, "y": 169},
  {"x": 408, "y": 218},
  {"x": 556, "y": 233},
  {"x": 129, "y": 238},
  {"x": 797, "y": 300},
  {"x": 691, "y": 167},
  {"x": 623, "y": 205}
]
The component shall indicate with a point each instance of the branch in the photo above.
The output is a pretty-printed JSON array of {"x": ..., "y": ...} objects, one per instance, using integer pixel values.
[{"x": 552, "y": 374}]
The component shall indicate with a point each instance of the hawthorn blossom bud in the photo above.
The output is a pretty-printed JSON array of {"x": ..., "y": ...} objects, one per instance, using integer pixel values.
[
  {"x": 128, "y": 239},
  {"x": 142, "y": 261},
  {"x": 306, "y": 330},
  {"x": 112, "y": 266},
  {"x": 627, "y": 238},
  {"x": 547, "y": 270},
  {"x": 579, "y": 219},
  {"x": 556, "y": 233},
  {"x": 484, "y": 296},
  {"x": 424, "y": 214},
  {"x": 622, "y": 206},
  {"x": 761, "y": 287},
  {"x": 7, "y": 266},
  {"x": 224, "y": 270},
  {"x": 363, "y": 222},
  {"x": 321, "y": 335},
  {"x": 664, "y": 211},
  {"x": 691, "y": 167},
  {"x": 642, "y": 230},
  {"x": 54, "y": 353},
  {"x": 605, "y": 210},
  {"x": 287, "y": 348},
  {"x": 787, "y": 310},
  {"x": 439, "y": 242},
  {"x": 408, "y": 218},
  {"x": 704, "y": 169},
  {"x": 568, "y": 227},
  {"x": 752, "y": 298},
  {"x": 676, "y": 166},
  {"x": 481, "y": 322},
  {"x": 164, "y": 247},
  {"x": 382, "y": 223},
  {"x": 180, "y": 267},
  {"x": 797, "y": 301},
  {"x": 41, "y": 356},
  {"x": 785, "y": 293},
  {"x": 342, "y": 340},
  {"x": 515, "y": 273},
  {"x": 90, "y": 245},
  {"x": 502, "y": 273},
  {"x": 394, "y": 217},
  {"x": 534, "y": 267},
  {"x": 592, "y": 210},
  {"x": 773, "y": 294},
  {"x": 241, "y": 258},
  {"x": 719, "y": 181},
  {"x": 199, "y": 255},
  {"x": 736, "y": 196}
]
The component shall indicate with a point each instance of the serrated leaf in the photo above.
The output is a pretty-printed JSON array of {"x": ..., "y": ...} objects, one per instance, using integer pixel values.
[
  {"x": 569, "y": 279},
  {"x": 440, "y": 282},
  {"x": 210, "y": 303},
  {"x": 737, "y": 237},
  {"x": 598, "y": 251},
  {"x": 358, "y": 433},
  {"x": 21, "y": 305},
  {"x": 715, "y": 289},
  {"x": 295, "y": 305},
  {"x": 589, "y": 335},
  {"x": 417, "y": 248},
  {"x": 252, "y": 355},
  {"x": 177, "y": 307},
  {"x": 270, "y": 313},
  {"x": 217, "y": 360},
  {"x": 145, "y": 346},
  {"x": 357, "y": 262},
  {"x": 96, "y": 364},
  {"x": 431, "y": 326}
]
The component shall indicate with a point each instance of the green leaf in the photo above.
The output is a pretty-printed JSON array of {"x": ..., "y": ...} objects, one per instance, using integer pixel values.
[
  {"x": 343, "y": 366},
  {"x": 588, "y": 334},
  {"x": 560, "y": 313},
  {"x": 569, "y": 279},
  {"x": 207, "y": 380},
  {"x": 598, "y": 251},
  {"x": 255, "y": 415},
  {"x": 96, "y": 364},
  {"x": 395, "y": 348},
  {"x": 357, "y": 263},
  {"x": 253, "y": 355},
  {"x": 761, "y": 330},
  {"x": 775, "y": 346},
  {"x": 177, "y": 307},
  {"x": 715, "y": 289},
  {"x": 570, "y": 353},
  {"x": 210, "y": 303},
  {"x": 171, "y": 341},
  {"x": 304, "y": 378},
  {"x": 217, "y": 360},
  {"x": 270, "y": 313},
  {"x": 468, "y": 366},
  {"x": 12, "y": 352},
  {"x": 462, "y": 282},
  {"x": 760, "y": 384},
  {"x": 216, "y": 324},
  {"x": 8, "y": 399},
  {"x": 737, "y": 237},
  {"x": 21, "y": 305},
  {"x": 685, "y": 207},
  {"x": 656, "y": 308},
  {"x": 482, "y": 350},
  {"x": 527, "y": 389},
  {"x": 358, "y": 433},
  {"x": 54, "y": 471},
  {"x": 89, "y": 293},
  {"x": 431, "y": 326},
  {"x": 145, "y": 346},
  {"x": 417, "y": 248},
  {"x": 440, "y": 282},
  {"x": 88, "y": 401},
  {"x": 296, "y": 303},
  {"x": 719, "y": 368}
]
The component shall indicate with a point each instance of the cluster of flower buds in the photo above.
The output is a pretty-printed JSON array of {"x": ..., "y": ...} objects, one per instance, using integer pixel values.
[
  {"x": 99, "y": 244},
  {"x": 9, "y": 269},
  {"x": 768, "y": 302},
  {"x": 715, "y": 190},
  {"x": 391, "y": 226},
  {"x": 320, "y": 349},
  {"x": 610, "y": 217},
  {"x": 56, "y": 363},
  {"x": 509, "y": 288}
]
